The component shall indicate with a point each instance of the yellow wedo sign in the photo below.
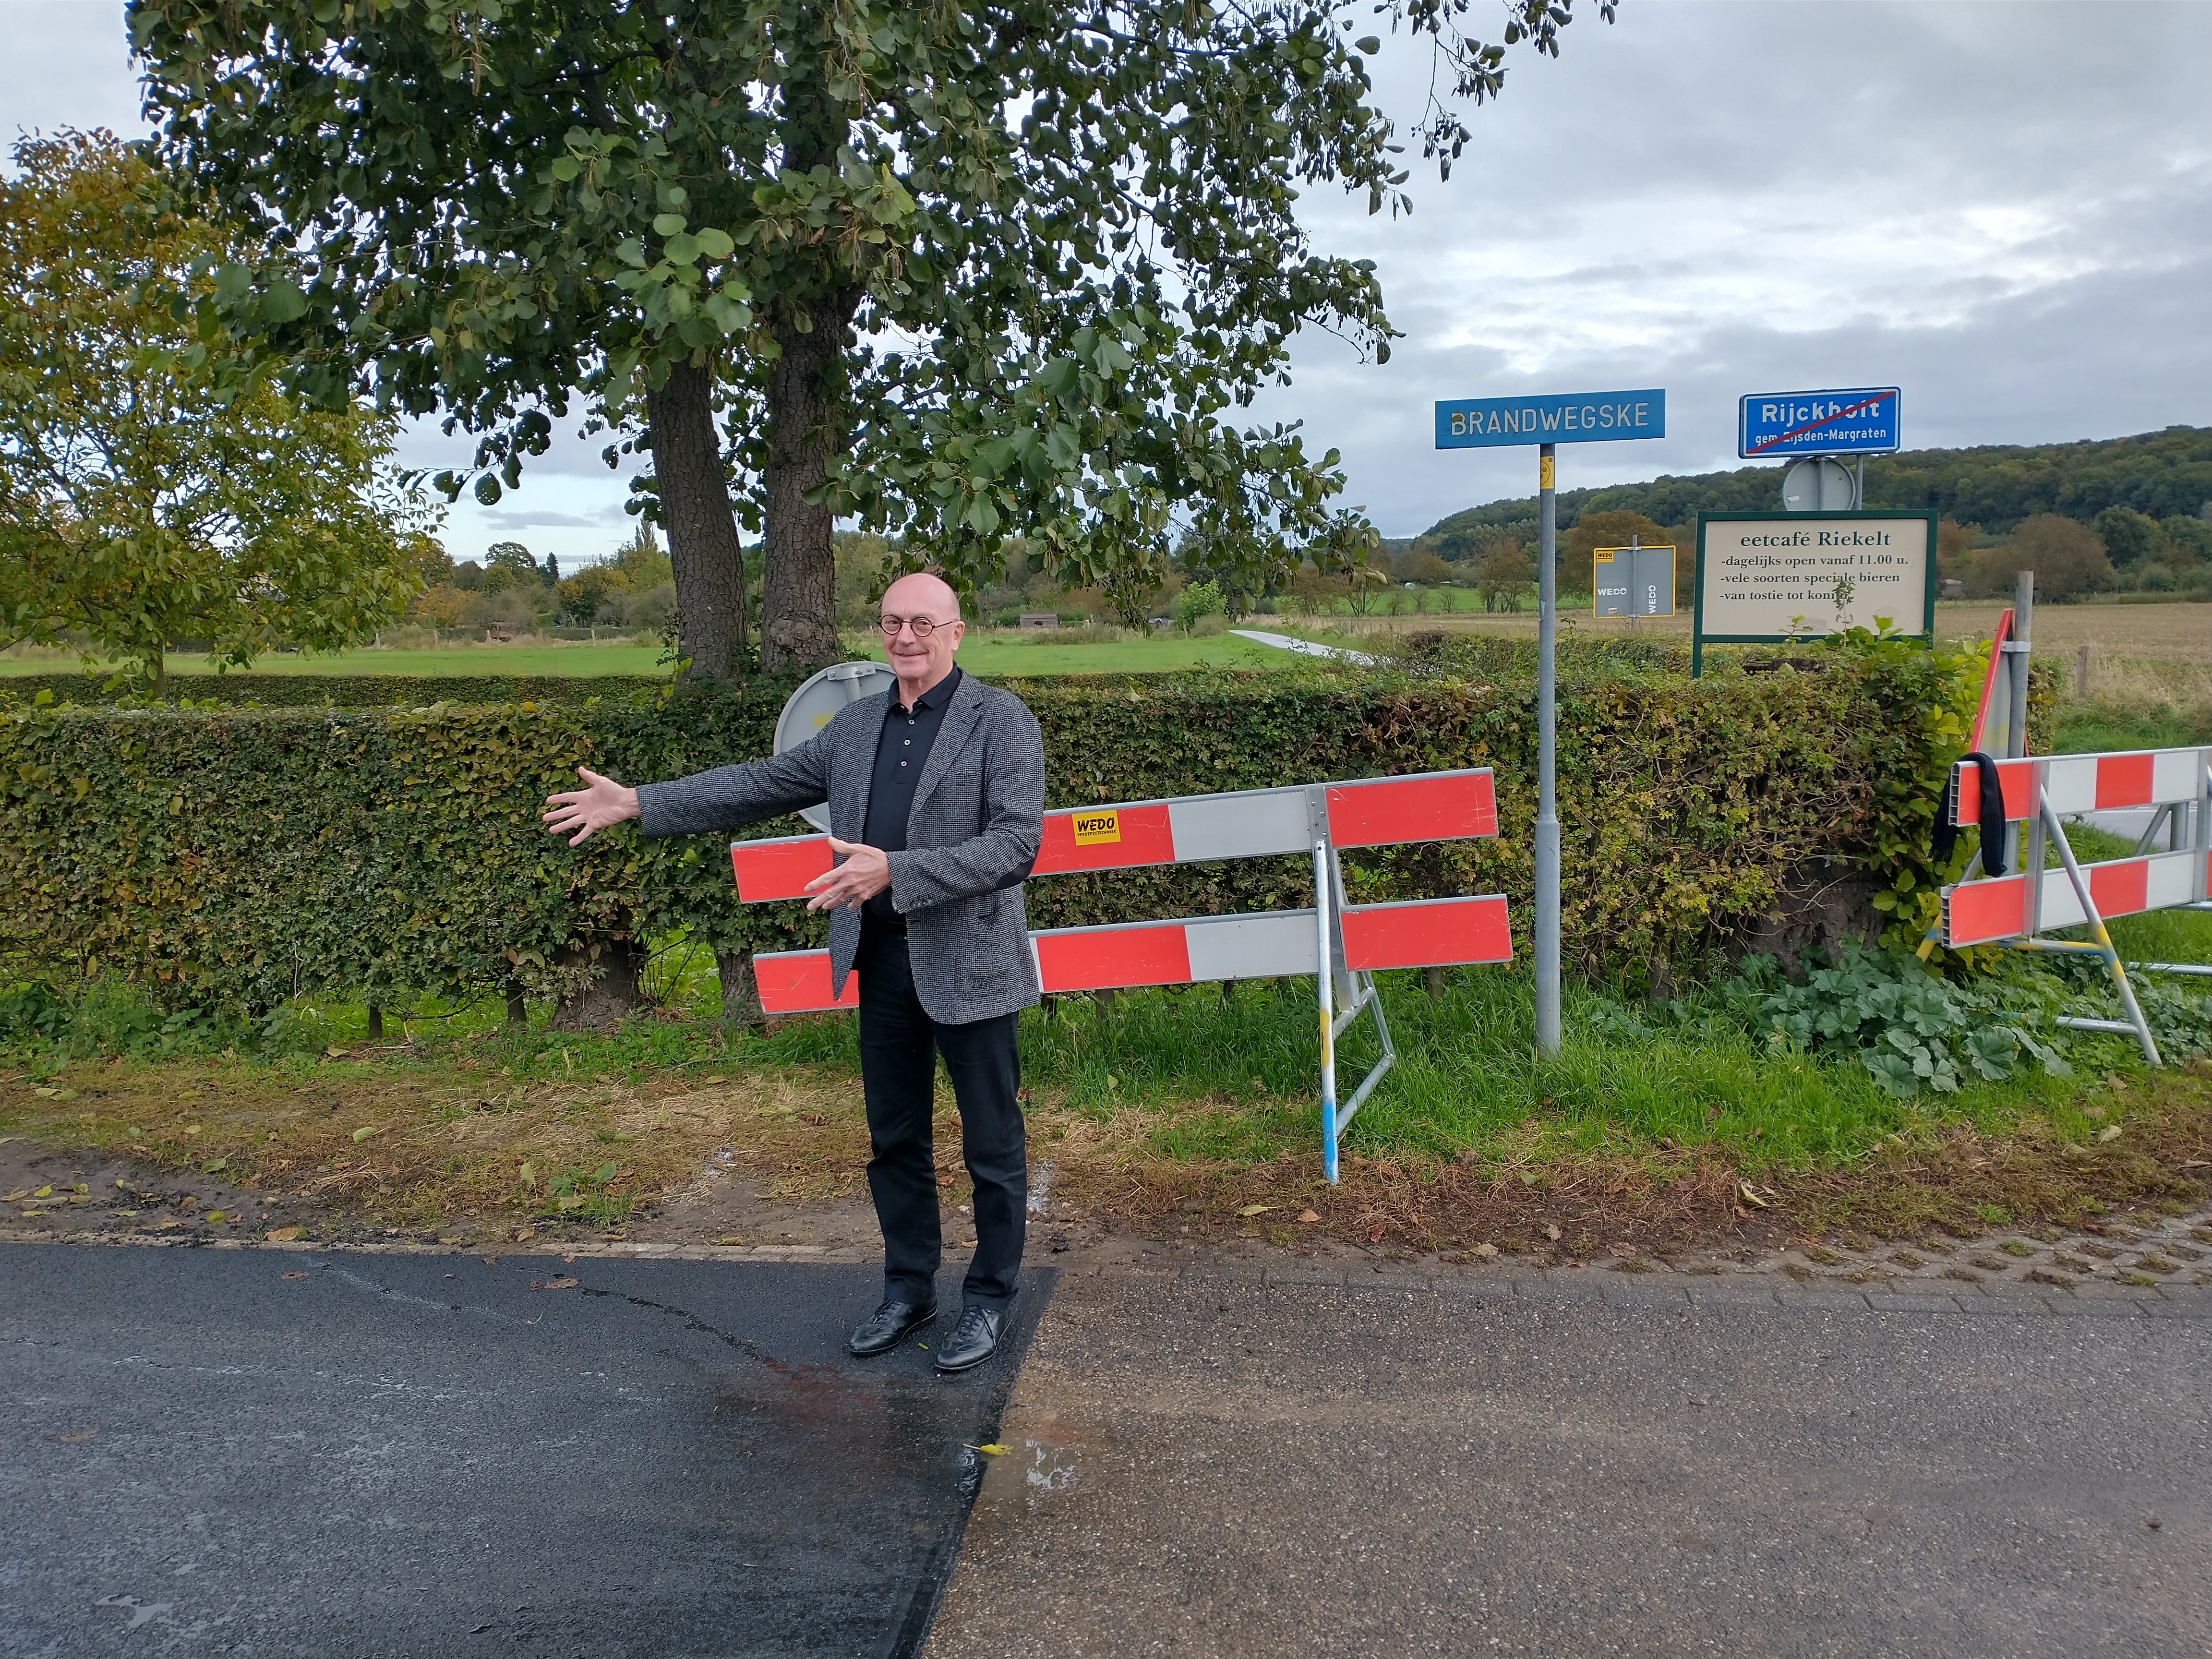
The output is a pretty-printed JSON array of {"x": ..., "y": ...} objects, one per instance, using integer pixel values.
[{"x": 1092, "y": 829}]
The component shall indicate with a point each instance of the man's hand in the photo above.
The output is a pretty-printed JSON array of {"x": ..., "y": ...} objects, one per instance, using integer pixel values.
[
  {"x": 865, "y": 872},
  {"x": 599, "y": 805}
]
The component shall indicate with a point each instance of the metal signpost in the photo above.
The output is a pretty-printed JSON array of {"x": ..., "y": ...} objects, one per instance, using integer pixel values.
[
  {"x": 1493, "y": 424},
  {"x": 1632, "y": 582}
]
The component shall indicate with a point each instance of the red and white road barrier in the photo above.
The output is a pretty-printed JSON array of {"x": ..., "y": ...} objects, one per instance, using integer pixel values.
[
  {"x": 1999, "y": 908},
  {"x": 1351, "y": 941},
  {"x": 1245, "y": 823},
  {"x": 2176, "y": 784}
]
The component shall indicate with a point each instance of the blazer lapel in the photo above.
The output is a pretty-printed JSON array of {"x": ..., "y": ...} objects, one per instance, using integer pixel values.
[
  {"x": 858, "y": 762},
  {"x": 959, "y": 721}
]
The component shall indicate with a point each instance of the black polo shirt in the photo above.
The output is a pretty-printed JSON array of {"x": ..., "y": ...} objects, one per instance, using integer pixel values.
[{"x": 901, "y": 751}]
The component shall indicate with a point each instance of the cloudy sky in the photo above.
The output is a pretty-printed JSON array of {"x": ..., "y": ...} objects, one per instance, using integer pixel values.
[{"x": 2004, "y": 209}]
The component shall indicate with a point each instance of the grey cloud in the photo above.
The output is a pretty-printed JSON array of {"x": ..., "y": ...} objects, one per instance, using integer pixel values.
[{"x": 2005, "y": 209}]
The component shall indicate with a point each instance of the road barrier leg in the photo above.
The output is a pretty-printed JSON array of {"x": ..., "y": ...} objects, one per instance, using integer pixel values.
[
  {"x": 2058, "y": 834},
  {"x": 1323, "y": 980}
]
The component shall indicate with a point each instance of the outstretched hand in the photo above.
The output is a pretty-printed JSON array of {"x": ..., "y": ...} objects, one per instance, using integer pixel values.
[
  {"x": 599, "y": 805},
  {"x": 865, "y": 872}
]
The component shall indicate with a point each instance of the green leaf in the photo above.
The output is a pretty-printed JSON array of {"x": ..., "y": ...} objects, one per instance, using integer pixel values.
[
  {"x": 667, "y": 224},
  {"x": 282, "y": 302},
  {"x": 1369, "y": 44},
  {"x": 715, "y": 243}
]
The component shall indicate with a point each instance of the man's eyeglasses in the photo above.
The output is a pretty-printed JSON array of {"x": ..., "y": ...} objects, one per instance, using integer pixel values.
[{"x": 923, "y": 626}]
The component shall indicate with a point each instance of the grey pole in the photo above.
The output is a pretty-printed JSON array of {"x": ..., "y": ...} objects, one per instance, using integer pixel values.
[
  {"x": 1548, "y": 805},
  {"x": 2016, "y": 660}
]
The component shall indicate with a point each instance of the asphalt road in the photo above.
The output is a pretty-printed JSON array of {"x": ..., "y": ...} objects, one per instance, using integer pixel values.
[
  {"x": 1572, "y": 1465},
  {"x": 342, "y": 1453}
]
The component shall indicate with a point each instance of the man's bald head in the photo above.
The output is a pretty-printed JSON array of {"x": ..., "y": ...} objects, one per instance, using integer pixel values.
[
  {"x": 923, "y": 594},
  {"x": 921, "y": 630}
]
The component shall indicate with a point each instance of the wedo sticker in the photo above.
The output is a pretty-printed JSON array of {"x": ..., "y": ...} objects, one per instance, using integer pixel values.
[{"x": 1093, "y": 827}]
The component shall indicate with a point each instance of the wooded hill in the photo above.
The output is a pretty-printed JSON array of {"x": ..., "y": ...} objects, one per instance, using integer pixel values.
[{"x": 1992, "y": 487}]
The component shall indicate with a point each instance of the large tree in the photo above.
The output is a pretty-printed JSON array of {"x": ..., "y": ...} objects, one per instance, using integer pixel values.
[
  {"x": 141, "y": 500},
  {"x": 952, "y": 269}
]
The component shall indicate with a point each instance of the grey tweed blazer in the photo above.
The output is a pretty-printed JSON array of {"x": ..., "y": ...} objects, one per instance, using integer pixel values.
[{"x": 971, "y": 839}]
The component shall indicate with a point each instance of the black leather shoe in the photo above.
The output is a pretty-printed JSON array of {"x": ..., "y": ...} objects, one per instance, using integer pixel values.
[
  {"x": 974, "y": 1339},
  {"x": 888, "y": 1326}
]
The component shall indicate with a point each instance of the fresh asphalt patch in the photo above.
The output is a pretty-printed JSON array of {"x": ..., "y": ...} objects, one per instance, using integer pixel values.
[{"x": 347, "y": 1454}]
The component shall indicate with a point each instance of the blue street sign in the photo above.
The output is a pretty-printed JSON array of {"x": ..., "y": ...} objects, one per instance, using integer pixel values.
[
  {"x": 1861, "y": 421},
  {"x": 1584, "y": 417}
]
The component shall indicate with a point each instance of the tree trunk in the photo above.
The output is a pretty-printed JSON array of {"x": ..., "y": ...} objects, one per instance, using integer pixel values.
[
  {"x": 799, "y": 624},
  {"x": 741, "y": 1003},
  {"x": 703, "y": 530},
  {"x": 601, "y": 1005}
]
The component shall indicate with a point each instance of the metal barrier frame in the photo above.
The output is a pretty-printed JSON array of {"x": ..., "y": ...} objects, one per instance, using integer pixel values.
[{"x": 1197, "y": 828}]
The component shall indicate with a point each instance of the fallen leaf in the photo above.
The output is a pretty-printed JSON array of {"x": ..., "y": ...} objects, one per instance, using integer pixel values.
[
  {"x": 1751, "y": 1197},
  {"x": 215, "y": 1217},
  {"x": 490, "y": 1260},
  {"x": 1251, "y": 1210},
  {"x": 563, "y": 1283},
  {"x": 338, "y": 1054},
  {"x": 299, "y": 1275},
  {"x": 44, "y": 1191},
  {"x": 1485, "y": 1251},
  {"x": 732, "y": 1239},
  {"x": 2110, "y": 1133},
  {"x": 1552, "y": 1232},
  {"x": 367, "y": 1130},
  {"x": 284, "y": 1235},
  {"x": 523, "y": 1235},
  {"x": 994, "y": 1449},
  {"x": 83, "y": 1435},
  {"x": 1308, "y": 1216},
  {"x": 967, "y": 1243},
  {"x": 55, "y": 1094},
  {"x": 714, "y": 1080},
  {"x": 15, "y": 1197}
]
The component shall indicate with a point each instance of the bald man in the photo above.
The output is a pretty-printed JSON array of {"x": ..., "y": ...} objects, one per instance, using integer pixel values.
[{"x": 936, "y": 794}]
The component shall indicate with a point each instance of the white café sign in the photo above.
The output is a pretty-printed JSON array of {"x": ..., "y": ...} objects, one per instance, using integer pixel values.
[{"x": 1776, "y": 576}]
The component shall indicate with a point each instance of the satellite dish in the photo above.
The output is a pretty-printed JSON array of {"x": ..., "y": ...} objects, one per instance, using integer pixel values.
[
  {"x": 816, "y": 703},
  {"x": 1819, "y": 483}
]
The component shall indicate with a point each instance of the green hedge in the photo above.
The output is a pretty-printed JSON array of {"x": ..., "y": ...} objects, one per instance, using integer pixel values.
[
  {"x": 336, "y": 690},
  {"x": 241, "y": 857}
]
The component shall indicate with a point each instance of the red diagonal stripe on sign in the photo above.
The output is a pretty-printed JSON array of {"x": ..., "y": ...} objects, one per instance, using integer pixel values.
[{"x": 1811, "y": 426}]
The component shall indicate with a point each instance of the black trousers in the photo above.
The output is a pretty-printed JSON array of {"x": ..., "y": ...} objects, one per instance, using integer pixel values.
[{"x": 899, "y": 1046}]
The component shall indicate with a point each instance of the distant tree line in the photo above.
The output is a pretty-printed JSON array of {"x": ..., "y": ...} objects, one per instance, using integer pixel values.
[{"x": 2121, "y": 514}]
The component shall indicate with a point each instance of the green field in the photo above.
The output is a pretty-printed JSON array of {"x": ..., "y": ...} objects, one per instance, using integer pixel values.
[{"x": 997, "y": 654}]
